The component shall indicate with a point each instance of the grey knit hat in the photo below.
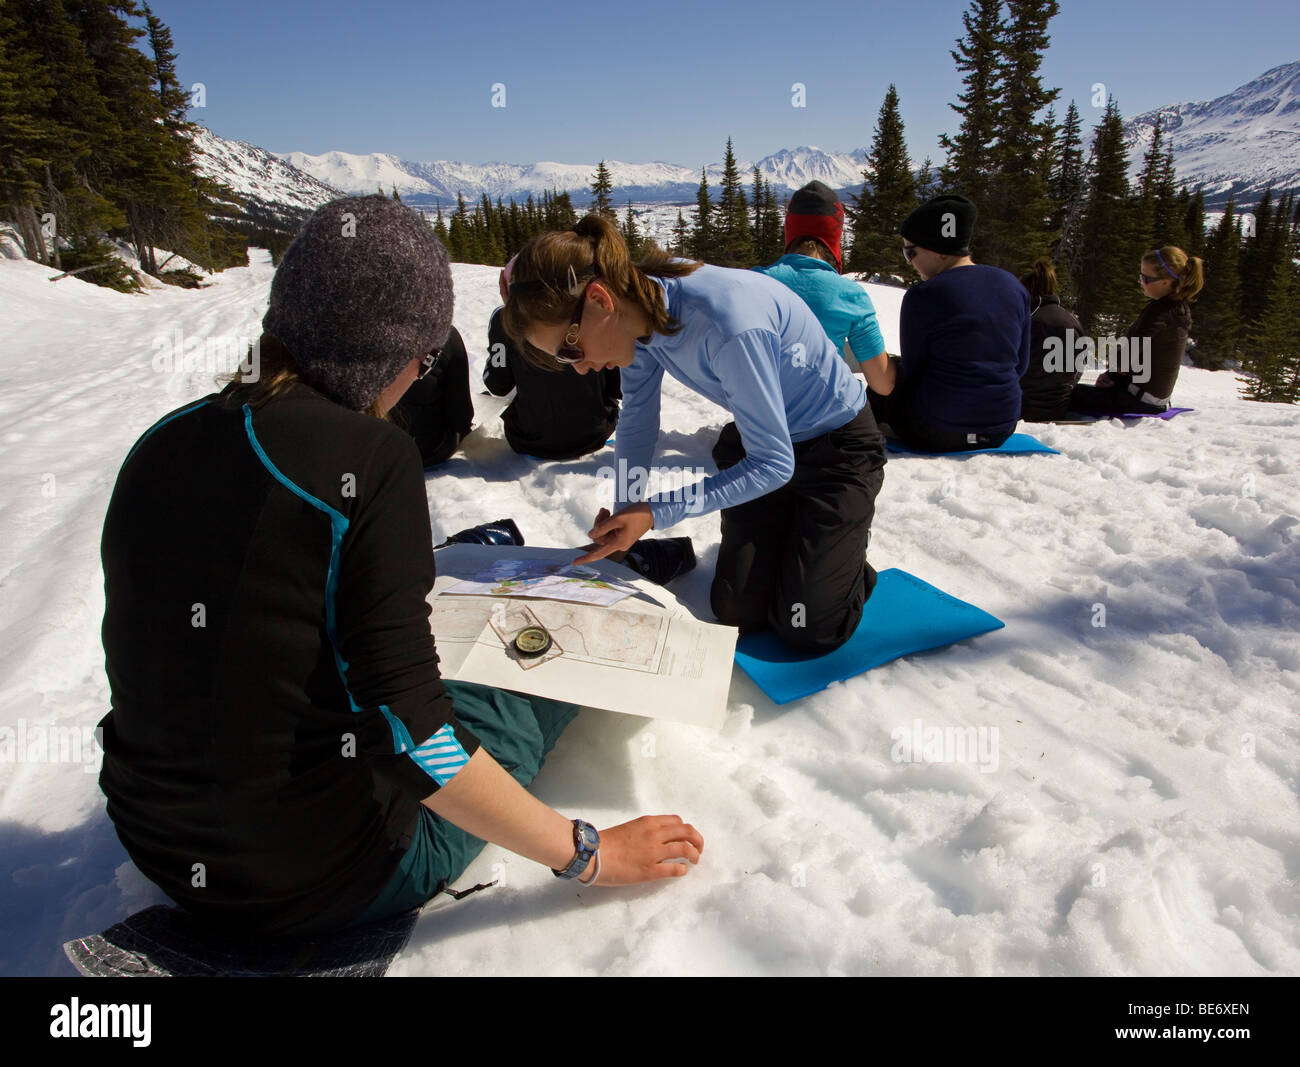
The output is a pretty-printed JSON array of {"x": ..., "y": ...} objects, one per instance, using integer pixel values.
[{"x": 364, "y": 289}]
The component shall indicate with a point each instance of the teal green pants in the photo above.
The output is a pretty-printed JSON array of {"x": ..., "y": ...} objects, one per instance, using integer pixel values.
[{"x": 518, "y": 730}]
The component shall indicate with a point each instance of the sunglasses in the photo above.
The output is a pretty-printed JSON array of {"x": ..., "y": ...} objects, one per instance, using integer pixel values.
[
  {"x": 1148, "y": 279},
  {"x": 569, "y": 353},
  {"x": 428, "y": 363},
  {"x": 909, "y": 252}
]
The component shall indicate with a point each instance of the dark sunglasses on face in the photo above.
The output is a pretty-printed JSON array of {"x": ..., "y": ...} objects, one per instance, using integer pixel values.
[
  {"x": 909, "y": 252},
  {"x": 1149, "y": 279},
  {"x": 428, "y": 363}
]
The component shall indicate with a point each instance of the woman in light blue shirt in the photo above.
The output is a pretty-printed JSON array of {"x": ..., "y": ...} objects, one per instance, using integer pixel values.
[{"x": 798, "y": 471}]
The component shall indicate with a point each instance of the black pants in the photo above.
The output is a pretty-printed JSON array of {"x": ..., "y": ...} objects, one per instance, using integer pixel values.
[
  {"x": 1111, "y": 400},
  {"x": 795, "y": 559},
  {"x": 898, "y": 411}
]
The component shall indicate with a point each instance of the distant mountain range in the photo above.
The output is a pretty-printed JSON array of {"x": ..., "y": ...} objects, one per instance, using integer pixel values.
[
  {"x": 426, "y": 184},
  {"x": 271, "y": 189},
  {"x": 1237, "y": 144}
]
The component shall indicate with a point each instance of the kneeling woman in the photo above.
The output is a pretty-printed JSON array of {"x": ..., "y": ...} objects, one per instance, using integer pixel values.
[
  {"x": 1170, "y": 278},
  {"x": 800, "y": 467},
  {"x": 282, "y": 754}
]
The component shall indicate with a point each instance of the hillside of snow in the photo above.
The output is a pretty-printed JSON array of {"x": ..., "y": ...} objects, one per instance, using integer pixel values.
[{"x": 1136, "y": 813}]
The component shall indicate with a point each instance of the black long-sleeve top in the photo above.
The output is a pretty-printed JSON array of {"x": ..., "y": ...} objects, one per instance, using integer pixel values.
[
  {"x": 553, "y": 415},
  {"x": 437, "y": 409},
  {"x": 277, "y": 710}
]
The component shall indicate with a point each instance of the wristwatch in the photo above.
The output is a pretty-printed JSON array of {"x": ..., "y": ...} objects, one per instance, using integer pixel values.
[{"x": 586, "y": 843}]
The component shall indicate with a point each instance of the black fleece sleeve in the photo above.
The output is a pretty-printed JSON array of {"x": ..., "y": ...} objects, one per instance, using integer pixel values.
[{"x": 409, "y": 730}]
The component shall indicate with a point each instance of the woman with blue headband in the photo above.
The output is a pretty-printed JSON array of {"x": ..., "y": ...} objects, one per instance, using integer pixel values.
[{"x": 1155, "y": 340}]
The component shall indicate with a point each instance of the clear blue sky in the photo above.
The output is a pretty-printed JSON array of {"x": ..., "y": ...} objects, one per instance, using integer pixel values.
[{"x": 667, "y": 80}]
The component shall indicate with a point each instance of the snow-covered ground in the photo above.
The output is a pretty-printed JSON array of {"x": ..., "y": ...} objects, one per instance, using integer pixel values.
[{"x": 1135, "y": 812}]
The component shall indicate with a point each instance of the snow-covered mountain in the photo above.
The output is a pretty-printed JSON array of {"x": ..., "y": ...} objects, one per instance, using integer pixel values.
[
  {"x": 272, "y": 190},
  {"x": 656, "y": 182},
  {"x": 1237, "y": 144}
]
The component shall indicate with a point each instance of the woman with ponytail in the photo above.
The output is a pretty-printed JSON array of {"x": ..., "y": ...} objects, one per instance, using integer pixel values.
[
  {"x": 1044, "y": 389},
  {"x": 1169, "y": 278},
  {"x": 798, "y": 469}
]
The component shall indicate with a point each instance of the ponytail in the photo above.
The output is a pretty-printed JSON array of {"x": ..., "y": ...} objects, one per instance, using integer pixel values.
[
  {"x": 553, "y": 268},
  {"x": 1041, "y": 279},
  {"x": 1189, "y": 271}
]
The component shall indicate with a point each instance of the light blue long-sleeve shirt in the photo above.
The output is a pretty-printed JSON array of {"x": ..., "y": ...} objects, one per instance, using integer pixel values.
[
  {"x": 841, "y": 305},
  {"x": 753, "y": 347}
]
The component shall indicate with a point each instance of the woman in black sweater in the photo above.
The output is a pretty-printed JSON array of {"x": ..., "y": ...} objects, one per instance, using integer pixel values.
[
  {"x": 553, "y": 416},
  {"x": 1157, "y": 339},
  {"x": 1045, "y": 387},
  {"x": 282, "y": 754}
]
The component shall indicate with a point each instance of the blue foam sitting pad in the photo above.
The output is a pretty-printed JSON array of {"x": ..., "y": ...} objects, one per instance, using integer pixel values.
[
  {"x": 903, "y": 615},
  {"x": 1016, "y": 444}
]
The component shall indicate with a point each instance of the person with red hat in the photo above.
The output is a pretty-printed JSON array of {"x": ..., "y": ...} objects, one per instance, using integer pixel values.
[{"x": 814, "y": 225}]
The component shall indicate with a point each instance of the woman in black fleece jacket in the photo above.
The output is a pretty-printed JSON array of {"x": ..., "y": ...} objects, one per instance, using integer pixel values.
[
  {"x": 282, "y": 754},
  {"x": 1169, "y": 278}
]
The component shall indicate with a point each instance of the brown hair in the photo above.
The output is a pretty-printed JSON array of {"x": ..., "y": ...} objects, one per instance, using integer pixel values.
[
  {"x": 811, "y": 246},
  {"x": 561, "y": 261},
  {"x": 277, "y": 373},
  {"x": 1189, "y": 270},
  {"x": 1041, "y": 279}
]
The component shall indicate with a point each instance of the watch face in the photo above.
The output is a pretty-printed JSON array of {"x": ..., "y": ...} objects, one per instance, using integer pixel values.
[{"x": 590, "y": 839}]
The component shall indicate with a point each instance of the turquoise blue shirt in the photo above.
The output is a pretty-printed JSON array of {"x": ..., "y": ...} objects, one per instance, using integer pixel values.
[
  {"x": 841, "y": 305},
  {"x": 751, "y": 346}
]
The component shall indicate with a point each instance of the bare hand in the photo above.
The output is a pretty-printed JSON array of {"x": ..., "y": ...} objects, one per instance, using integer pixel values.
[
  {"x": 644, "y": 849},
  {"x": 618, "y": 532}
]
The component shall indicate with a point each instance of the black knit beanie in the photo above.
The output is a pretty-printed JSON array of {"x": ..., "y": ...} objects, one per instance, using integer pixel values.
[
  {"x": 943, "y": 224},
  {"x": 364, "y": 289}
]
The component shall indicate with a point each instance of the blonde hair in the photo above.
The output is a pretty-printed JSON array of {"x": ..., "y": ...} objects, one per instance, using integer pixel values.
[
  {"x": 277, "y": 373},
  {"x": 551, "y": 270},
  {"x": 1188, "y": 270}
]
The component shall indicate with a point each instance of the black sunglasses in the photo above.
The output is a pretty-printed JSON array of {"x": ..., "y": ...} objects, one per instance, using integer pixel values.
[
  {"x": 428, "y": 363},
  {"x": 909, "y": 252}
]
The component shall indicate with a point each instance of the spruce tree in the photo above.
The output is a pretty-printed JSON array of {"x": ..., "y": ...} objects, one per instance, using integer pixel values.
[
  {"x": 1015, "y": 209},
  {"x": 768, "y": 237},
  {"x": 733, "y": 242},
  {"x": 1217, "y": 320},
  {"x": 1107, "y": 253},
  {"x": 631, "y": 234},
  {"x": 1193, "y": 214},
  {"x": 602, "y": 188},
  {"x": 888, "y": 197},
  {"x": 1257, "y": 262},
  {"x": 702, "y": 231},
  {"x": 1067, "y": 184},
  {"x": 681, "y": 237},
  {"x": 977, "y": 58},
  {"x": 1144, "y": 204},
  {"x": 927, "y": 181},
  {"x": 1271, "y": 369}
]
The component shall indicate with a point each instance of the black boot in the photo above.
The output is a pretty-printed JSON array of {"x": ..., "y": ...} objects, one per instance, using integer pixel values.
[
  {"x": 662, "y": 559},
  {"x": 501, "y": 532}
]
